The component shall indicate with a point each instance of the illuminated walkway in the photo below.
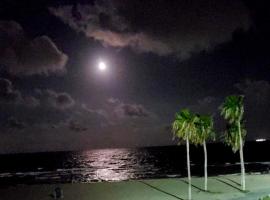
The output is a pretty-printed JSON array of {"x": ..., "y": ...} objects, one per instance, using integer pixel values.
[{"x": 221, "y": 187}]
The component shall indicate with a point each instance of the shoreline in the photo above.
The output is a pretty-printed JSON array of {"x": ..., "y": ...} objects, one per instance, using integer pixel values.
[{"x": 222, "y": 187}]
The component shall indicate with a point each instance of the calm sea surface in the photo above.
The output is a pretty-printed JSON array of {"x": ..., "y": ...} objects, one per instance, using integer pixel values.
[{"x": 126, "y": 164}]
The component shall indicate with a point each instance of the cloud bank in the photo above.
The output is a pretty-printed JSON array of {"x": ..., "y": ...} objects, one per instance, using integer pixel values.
[
  {"x": 7, "y": 93},
  {"x": 13, "y": 123},
  {"x": 163, "y": 28},
  {"x": 60, "y": 100},
  {"x": 25, "y": 56},
  {"x": 123, "y": 110}
]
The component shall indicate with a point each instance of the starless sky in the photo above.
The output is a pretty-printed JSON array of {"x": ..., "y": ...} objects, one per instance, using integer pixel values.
[{"x": 161, "y": 56}]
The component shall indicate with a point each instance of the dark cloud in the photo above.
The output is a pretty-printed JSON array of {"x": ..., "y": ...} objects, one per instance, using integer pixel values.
[
  {"x": 80, "y": 119},
  {"x": 7, "y": 92},
  {"x": 100, "y": 112},
  {"x": 60, "y": 100},
  {"x": 175, "y": 27},
  {"x": 42, "y": 108},
  {"x": 14, "y": 123},
  {"x": 31, "y": 101},
  {"x": 64, "y": 100},
  {"x": 76, "y": 126},
  {"x": 23, "y": 56},
  {"x": 128, "y": 110},
  {"x": 9, "y": 95},
  {"x": 131, "y": 110}
]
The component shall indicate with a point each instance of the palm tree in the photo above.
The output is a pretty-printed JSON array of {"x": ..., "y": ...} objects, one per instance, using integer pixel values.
[
  {"x": 205, "y": 131},
  {"x": 233, "y": 110},
  {"x": 184, "y": 128}
]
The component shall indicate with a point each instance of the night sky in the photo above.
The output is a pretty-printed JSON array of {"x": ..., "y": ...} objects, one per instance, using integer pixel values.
[{"x": 161, "y": 56}]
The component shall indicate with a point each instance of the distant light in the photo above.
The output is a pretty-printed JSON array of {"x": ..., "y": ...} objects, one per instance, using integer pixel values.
[
  {"x": 260, "y": 140},
  {"x": 102, "y": 66}
]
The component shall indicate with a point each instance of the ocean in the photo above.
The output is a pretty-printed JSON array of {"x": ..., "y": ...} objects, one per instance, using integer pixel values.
[{"x": 126, "y": 164}]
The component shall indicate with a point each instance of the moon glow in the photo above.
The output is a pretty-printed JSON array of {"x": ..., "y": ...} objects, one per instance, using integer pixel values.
[{"x": 102, "y": 66}]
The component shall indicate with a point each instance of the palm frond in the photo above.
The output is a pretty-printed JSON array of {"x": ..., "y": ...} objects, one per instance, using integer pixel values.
[
  {"x": 183, "y": 126},
  {"x": 204, "y": 129},
  {"x": 232, "y": 138},
  {"x": 232, "y": 108}
]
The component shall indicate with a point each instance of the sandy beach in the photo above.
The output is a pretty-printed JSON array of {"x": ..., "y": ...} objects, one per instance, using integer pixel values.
[{"x": 220, "y": 187}]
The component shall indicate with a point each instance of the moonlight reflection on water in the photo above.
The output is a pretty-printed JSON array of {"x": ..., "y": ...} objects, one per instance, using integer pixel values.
[
  {"x": 111, "y": 164},
  {"x": 124, "y": 164},
  {"x": 114, "y": 164}
]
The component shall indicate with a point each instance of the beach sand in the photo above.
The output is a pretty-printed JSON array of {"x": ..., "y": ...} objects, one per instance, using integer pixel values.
[{"x": 220, "y": 188}]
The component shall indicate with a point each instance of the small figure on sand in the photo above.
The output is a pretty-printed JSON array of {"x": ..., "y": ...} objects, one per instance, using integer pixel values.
[{"x": 58, "y": 193}]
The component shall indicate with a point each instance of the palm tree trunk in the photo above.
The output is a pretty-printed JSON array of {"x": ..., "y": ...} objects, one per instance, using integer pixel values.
[
  {"x": 243, "y": 181},
  {"x": 205, "y": 165},
  {"x": 188, "y": 168}
]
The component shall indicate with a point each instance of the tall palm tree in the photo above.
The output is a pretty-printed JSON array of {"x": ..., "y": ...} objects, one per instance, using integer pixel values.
[
  {"x": 184, "y": 128},
  {"x": 232, "y": 110},
  {"x": 205, "y": 131}
]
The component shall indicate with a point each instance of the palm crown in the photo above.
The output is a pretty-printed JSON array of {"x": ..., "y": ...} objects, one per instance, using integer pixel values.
[
  {"x": 184, "y": 125},
  {"x": 232, "y": 109},
  {"x": 205, "y": 129}
]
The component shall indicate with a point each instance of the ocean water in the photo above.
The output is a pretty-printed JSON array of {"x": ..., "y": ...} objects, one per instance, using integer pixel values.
[{"x": 125, "y": 164}]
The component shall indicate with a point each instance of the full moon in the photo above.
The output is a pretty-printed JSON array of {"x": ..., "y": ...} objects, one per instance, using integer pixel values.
[{"x": 102, "y": 66}]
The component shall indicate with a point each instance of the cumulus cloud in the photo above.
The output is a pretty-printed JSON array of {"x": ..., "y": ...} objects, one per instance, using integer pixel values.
[
  {"x": 131, "y": 110},
  {"x": 9, "y": 95},
  {"x": 81, "y": 118},
  {"x": 7, "y": 92},
  {"x": 113, "y": 100},
  {"x": 31, "y": 101},
  {"x": 61, "y": 100},
  {"x": 14, "y": 123},
  {"x": 100, "y": 112},
  {"x": 122, "y": 109},
  {"x": 174, "y": 27},
  {"x": 24, "y": 56},
  {"x": 76, "y": 126},
  {"x": 42, "y": 109}
]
